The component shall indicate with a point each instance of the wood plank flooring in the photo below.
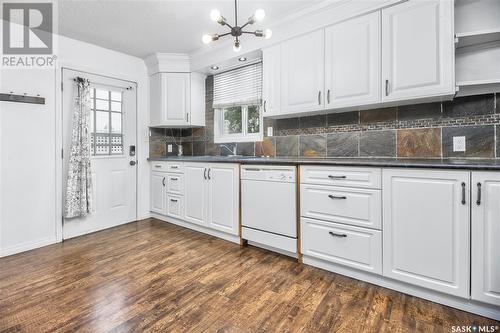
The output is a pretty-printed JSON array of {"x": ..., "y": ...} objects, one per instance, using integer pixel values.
[{"x": 152, "y": 276}]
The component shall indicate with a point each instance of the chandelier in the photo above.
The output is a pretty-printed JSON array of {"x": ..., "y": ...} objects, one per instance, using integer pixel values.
[{"x": 237, "y": 31}]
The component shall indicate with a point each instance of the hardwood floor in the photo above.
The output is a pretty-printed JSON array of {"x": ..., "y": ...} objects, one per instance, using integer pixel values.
[{"x": 151, "y": 276}]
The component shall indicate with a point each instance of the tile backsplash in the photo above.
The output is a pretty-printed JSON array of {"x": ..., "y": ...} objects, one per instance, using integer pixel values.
[{"x": 410, "y": 131}]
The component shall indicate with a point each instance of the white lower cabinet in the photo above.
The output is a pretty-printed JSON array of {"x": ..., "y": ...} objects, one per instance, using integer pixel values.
[
  {"x": 355, "y": 247},
  {"x": 158, "y": 193},
  {"x": 426, "y": 219},
  {"x": 485, "y": 284},
  {"x": 195, "y": 192}
]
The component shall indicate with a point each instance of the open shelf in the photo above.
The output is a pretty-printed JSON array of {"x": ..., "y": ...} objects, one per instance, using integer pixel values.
[{"x": 478, "y": 37}]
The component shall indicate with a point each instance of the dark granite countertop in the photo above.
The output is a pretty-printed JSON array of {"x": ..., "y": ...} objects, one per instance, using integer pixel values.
[{"x": 473, "y": 164}]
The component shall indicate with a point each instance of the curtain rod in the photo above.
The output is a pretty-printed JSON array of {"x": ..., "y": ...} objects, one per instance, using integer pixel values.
[{"x": 80, "y": 79}]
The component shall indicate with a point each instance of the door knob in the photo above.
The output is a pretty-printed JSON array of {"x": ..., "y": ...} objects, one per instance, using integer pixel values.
[{"x": 132, "y": 163}]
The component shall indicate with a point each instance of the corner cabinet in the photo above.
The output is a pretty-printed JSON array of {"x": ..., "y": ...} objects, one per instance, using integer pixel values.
[
  {"x": 177, "y": 100},
  {"x": 485, "y": 284},
  {"x": 418, "y": 50},
  {"x": 303, "y": 73},
  {"x": 426, "y": 229}
]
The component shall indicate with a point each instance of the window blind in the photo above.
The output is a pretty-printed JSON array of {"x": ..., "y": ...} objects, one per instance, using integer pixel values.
[{"x": 241, "y": 86}]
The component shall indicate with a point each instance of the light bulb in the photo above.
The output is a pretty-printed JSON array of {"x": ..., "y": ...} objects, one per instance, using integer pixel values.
[
  {"x": 236, "y": 47},
  {"x": 259, "y": 14},
  {"x": 268, "y": 33},
  {"x": 215, "y": 15},
  {"x": 206, "y": 39}
]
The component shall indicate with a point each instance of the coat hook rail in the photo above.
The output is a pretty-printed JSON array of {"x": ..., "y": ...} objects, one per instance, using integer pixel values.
[{"x": 11, "y": 97}]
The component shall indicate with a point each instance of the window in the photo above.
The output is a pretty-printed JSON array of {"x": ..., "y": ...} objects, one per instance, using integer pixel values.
[
  {"x": 237, "y": 104},
  {"x": 106, "y": 122}
]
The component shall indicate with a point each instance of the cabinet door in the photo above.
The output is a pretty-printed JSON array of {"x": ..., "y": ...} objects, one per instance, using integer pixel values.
[
  {"x": 175, "y": 98},
  {"x": 352, "y": 62},
  {"x": 426, "y": 228},
  {"x": 158, "y": 192},
  {"x": 271, "y": 80},
  {"x": 418, "y": 50},
  {"x": 485, "y": 286},
  {"x": 224, "y": 197},
  {"x": 197, "y": 113},
  {"x": 303, "y": 73},
  {"x": 195, "y": 192}
]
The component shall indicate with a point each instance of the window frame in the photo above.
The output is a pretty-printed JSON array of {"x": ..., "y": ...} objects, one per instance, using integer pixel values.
[{"x": 244, "y": 136}]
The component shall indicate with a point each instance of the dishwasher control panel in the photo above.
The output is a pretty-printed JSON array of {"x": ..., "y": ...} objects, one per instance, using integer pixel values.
[{"x": 275, "y": 173}]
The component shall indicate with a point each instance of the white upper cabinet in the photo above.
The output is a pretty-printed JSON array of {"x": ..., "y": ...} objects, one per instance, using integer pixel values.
[
  {"x": 177, "y": 99},
  {"x": 426, "y": 226},
  {"x": 271, "y": 83},
  {"x": 417, "y": 50},
  {"x": 485, "y": 284},
  {"x": 303, "y": 73},
  {"x": 352, "y": 62}
]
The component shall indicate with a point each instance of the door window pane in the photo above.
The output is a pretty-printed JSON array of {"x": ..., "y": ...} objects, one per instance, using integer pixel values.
[
  {"x": 116, "y": 106},
  {"x": 116, "y": 96},
  {"x": 102, "y": 94},
  {"x": 116, "y": 123},
  {"x": 101, "y": 104},
  {"x": 102, "y": 122},
  {"x": 233, "y": 121}
]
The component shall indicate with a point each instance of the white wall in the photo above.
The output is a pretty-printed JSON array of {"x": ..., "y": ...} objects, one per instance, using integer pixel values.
[{"x": 30, "y": 144}]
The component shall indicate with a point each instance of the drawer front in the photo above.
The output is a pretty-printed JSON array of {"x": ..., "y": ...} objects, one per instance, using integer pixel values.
[
  {"x": 355, "y": 247},
  {"x": 177, "y": 167},
  {"x": 175, "y": 183},
  {"x": 354, "y": 206},
  {"x": 341, "y": 176},
  {"x": 174, "y": 206}
]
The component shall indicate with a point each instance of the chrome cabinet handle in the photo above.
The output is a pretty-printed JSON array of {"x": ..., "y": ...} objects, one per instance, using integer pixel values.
[
  {"x": 336, "y": 177},
  {"x": 205, "y": 173},
  {"x": 319, "y": 97},
  {"x": 463, "y": 194},
  {"x": 174, "y": 167},
  {"x": 163, "y": 181},
  {"x": 209, "y": 173},
  {"x": 265, "y": 101},
  {"x": 328, "y": 96},
  {"x": 478, "y": 202},
  {"x": 187, "y": 117},
  {"x": 174, "y": 178},
  {"x": 173, "y": 200},
  {"x": 331, "y": 196},
  {"x": 157, "y": 166},
  {"x": 337, "y": 235},
  {"x": 387, "y": 87}
]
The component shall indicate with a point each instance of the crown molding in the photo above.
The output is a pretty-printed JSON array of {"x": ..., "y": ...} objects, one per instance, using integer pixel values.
[{"x": 168, "y": 62}]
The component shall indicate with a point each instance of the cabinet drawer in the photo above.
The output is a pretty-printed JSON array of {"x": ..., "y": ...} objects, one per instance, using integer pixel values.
[
  {"x": 175, "y": 183},
  {"x": 174, "y": 206},
  {"x": 341, "y": 176},
  {"x": 354, "y": 206},
  {"x": 177, "y": 167},
  {"x": 350, "y": 246}
]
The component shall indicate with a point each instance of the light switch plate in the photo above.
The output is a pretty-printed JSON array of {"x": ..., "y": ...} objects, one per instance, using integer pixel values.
[
  {"x": 169, "y": 148},
  {"x": 269, "y": 131},
  {"x": 459, "y": 143}
]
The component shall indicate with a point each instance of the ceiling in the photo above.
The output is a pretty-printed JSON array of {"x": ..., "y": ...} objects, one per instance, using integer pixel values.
[{"x": 140, "y": 28}]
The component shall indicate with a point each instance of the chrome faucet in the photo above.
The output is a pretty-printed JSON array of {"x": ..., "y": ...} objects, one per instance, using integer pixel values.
[{"x": 232, "y": 151}]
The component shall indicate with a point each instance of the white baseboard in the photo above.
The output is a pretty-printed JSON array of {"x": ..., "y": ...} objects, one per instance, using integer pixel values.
[
  {"x": 18, "y": 248},
  {"x": 211, "y": 232},
  {"x": 481, "y": 309}
]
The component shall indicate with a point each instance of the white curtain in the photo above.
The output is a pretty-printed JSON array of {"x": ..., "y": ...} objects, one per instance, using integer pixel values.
[{"x": 78, "y": 201}]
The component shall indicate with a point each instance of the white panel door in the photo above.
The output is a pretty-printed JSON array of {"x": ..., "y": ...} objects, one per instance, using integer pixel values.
[
  {"x": 195, "y": 192},
  {"x": 417, "y": 50},
  {"x": 271, "y": 80},
  {"x": 113, "y": 166},
  {"x": 486, "y": 237},
  {"x": 223, "y": 197},
  {"x": 426, "y": 228},
  {"x": 175, "y": 98},
  {"x": 303, "y": 73},
  {"x": 352, "y": 62},
  {"x": 158, "y": 190}
]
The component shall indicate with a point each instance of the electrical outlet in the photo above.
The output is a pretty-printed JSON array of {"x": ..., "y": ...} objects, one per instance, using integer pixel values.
[
  {"x": 459, "y": 143},
  {"x": 169, "y": 148},
  {"x": 269, "y": 131}
]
